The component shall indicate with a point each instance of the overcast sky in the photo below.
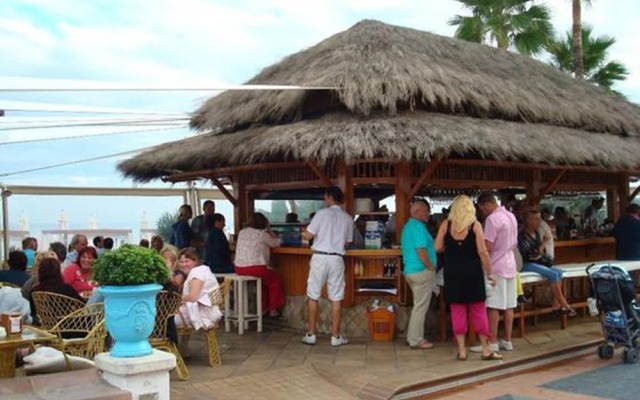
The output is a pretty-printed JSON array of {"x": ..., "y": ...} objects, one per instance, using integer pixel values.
[{"x": 195, "y": 42}]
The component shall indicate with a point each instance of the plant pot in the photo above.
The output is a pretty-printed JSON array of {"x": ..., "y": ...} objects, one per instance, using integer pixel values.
[{"x": 130, "y": 315}]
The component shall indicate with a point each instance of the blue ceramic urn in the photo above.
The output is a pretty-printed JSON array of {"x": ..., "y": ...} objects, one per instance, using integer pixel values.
[{"x": 130, "y": 314}]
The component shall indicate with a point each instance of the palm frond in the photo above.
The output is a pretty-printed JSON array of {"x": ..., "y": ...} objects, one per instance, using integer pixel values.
[{"x": 470, "y": 29}]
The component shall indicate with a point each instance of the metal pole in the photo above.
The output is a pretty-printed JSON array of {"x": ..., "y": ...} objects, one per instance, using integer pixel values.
[{"x": 5, "y": 222}]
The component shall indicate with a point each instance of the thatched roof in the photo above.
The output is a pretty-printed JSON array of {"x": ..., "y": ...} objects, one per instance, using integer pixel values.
[{"x": 405, "y": 94}]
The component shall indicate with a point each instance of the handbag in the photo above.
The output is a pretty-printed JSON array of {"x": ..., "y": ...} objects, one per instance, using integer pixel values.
[{"x": 545, "y": 260}]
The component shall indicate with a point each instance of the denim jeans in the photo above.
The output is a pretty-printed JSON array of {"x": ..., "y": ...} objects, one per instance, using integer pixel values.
[{"x": 553, "y": 274}]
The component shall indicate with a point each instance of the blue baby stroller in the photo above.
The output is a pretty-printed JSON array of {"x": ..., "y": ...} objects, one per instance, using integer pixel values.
[{"x": 615, "y": 296}]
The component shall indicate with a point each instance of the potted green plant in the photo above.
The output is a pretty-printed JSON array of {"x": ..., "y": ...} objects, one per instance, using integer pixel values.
[{"x": 130, "y": 278}]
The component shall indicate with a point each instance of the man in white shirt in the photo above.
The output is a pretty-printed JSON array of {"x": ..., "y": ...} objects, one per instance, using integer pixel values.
[{"x": 331, "y": 230}]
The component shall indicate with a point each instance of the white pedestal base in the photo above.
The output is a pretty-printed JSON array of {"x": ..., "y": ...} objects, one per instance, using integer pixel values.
[{"x": 147, "y": 378}]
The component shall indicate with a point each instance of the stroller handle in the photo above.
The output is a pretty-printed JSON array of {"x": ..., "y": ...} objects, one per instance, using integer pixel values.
[{"x": 589, "y": 267}]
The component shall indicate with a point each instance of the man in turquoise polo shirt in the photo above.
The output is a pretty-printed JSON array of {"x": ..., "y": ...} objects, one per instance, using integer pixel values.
[{"x": 419, "y": 258}]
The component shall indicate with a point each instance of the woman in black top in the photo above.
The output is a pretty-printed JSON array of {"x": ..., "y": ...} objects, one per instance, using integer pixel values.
[
  {"x": 467, "y": 263},
  {"x": 50, "y": 280}
]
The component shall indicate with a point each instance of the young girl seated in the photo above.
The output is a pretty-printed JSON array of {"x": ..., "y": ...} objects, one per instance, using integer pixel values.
[{"x": 196, "y": 309}]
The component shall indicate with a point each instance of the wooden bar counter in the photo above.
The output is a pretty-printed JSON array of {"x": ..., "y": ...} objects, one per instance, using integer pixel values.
[
  {"x": 585, "y": 250},
  {"x": 293, "y": 265}
]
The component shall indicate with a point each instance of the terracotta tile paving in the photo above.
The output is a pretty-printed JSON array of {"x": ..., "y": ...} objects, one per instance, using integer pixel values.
[
  {"x": 529, "y": 386},
  {"x": 275, "y": 365}
]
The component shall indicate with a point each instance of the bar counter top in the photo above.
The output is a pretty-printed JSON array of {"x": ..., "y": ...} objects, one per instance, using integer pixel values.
[
  {"x": 350, "y": 253},
  {"x": 584, "y": 242}
]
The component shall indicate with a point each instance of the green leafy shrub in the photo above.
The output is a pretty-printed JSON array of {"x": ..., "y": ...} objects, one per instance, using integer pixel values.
[{"x": 130, "y": 265}]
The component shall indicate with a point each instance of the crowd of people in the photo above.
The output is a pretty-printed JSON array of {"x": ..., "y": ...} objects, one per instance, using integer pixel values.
[
  {"x": 197, "y": 250},
  {"x": 483, "y": 248}
]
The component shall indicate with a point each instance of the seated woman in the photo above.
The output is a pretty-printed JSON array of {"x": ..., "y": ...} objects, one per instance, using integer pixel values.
[
  {"x": 171, "y": 255},
  {"x": 50, "y": 280},
  {"x": 253, "y": 250},
  {"x": 79, "y": 275},
  {"x": 536, "y": 260},
  {"x": 196, "y": 309}
]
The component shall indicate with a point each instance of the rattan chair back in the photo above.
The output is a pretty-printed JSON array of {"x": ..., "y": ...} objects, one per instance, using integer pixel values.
[
  {"x": 167, "y": 305},
  {"x": 82, "y": 333},
  {"x": 52, "y": 307}
]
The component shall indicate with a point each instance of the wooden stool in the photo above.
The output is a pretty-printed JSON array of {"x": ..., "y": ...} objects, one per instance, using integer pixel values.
[{"x": 240, "y": 313}]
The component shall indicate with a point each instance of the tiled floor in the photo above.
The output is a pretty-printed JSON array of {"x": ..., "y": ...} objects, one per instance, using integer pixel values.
[
  {"x": 531, "y": 385},
  {"x": 275, "y": 365}
]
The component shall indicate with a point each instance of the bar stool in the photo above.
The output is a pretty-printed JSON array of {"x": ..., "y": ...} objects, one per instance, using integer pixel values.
[{"x": 240, "y": 313}]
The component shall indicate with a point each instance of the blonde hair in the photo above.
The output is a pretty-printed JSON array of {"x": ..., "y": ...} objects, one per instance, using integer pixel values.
[
  {"x": 462, "y": 214},
  {"x": 174, "y": 252},
  {"x": 41, "y": 255}
]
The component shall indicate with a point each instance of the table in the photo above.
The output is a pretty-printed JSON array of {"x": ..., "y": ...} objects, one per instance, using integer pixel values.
[{"x": 9, "y": 345}]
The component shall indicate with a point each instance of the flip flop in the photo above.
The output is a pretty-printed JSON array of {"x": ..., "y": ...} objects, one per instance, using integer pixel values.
[
  {"x": 423, "y": 346},
  {"x": 492, "y": 357},
  {"x": 461, "y": 357}
]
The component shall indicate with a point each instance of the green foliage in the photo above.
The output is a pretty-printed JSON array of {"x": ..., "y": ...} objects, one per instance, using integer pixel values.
[
  {"x": 130, "y": 265},
  {"x": 164, "y": 225},
  {"x": 518, "y": 24},
  {"x": 595, "y": 51}
]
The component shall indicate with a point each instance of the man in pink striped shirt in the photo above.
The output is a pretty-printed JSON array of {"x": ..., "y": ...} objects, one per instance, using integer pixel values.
[{"x": 501, "y": 237}]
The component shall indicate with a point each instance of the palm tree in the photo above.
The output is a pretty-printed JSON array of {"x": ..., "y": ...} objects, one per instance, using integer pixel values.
[
  {"x": 519, "y": 24},
  {"x": 577, "y": 37},
  {"x": 595, "y": 52}
]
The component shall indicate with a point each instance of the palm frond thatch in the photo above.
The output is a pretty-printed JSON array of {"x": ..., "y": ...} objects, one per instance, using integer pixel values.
[
  {"x": 405, "y": 94},
  {"x": 381, "y": 68},
  {"x": 410, "y": 136}
]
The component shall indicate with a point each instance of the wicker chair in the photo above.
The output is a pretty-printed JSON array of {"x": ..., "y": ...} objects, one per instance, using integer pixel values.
[
  {"x": 217, "y": 299},
  {"x": 167, "y": 305},
  {"x": 81, "y": 333},
  {"x": 52, "y": 307}
]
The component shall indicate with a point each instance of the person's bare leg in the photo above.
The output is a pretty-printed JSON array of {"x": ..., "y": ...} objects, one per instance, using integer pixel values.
[
  {"x": 558, "y": 297},
  {"x": 508, "y": 324},
  {"x": 494, "y": 321},
  {"x": 312, "y": 306},
  {"x": 336, "y": 310},
  {"x": 484, "y": 341},
  {"x": 462, "y": 349}
]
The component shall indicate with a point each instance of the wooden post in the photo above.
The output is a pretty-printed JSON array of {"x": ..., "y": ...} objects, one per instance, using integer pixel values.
[
  {"x": 345, "y": 184},
  {"x": 533, "y": 190},
  {"x": 241, "y": 207},
  {"x": 403, "y": 187},
  {"x": 613, "y": 210},
  {"x": 623, "y": 194}
]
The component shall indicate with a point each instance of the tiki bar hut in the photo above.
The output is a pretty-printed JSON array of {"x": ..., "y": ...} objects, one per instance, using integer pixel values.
[{"x": 411, "y": 113}]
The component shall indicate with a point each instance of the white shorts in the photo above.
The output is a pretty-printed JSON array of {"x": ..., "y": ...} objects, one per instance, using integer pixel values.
[
  {"x": 503, "y": 295},
  {"x": 326, "y": 269}
]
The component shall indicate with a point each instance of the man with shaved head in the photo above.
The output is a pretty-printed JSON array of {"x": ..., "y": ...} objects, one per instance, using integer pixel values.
[{"x": 419, "y": 257}]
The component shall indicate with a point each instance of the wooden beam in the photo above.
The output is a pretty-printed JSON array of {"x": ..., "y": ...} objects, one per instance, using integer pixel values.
[
  {"x": 613, "y": 212},
  {"x": 224, "y": 191},
  {"x": 270, "y": 187},
  {"x": 623, "y": 194},
  {"x": 228, "y": 171},
  {"x": 316, "y": 170},
  {"x": 403, "y": 187},
  {"x": 533, "y": 188},
  {"x": 428, "y": 173},
  {"x": 523, "y": 165},
  {"x": 550, "y": 185},
  {"x": 345, "y": 184},
  {"x": 240, "y": 209}
]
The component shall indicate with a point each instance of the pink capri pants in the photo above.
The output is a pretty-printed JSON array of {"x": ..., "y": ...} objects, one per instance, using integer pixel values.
[{"x": 478, "y": 314}]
